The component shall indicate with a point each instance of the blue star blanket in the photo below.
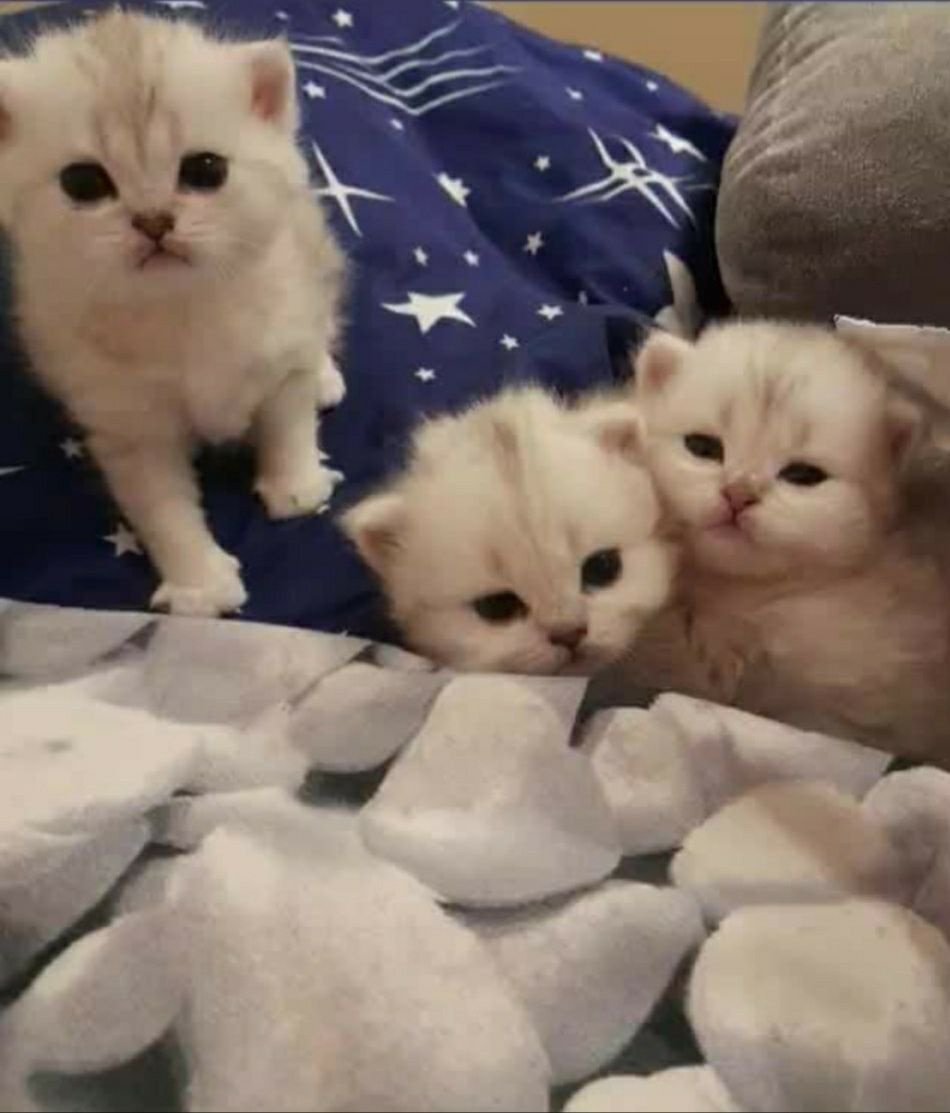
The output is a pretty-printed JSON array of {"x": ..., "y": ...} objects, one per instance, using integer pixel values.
[{"x": 513, "y": 208}]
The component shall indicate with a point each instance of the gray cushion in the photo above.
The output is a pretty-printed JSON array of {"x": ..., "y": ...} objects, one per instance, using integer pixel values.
[{"x": 836, "y": 190}]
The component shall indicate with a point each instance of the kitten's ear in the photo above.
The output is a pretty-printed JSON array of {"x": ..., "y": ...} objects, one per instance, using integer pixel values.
[
  {"x": 273, "y": 93},
  {"x": 617, "y": 428},
  {"x": 375, "y": 527},
  {"x": 657, "y": 361}
]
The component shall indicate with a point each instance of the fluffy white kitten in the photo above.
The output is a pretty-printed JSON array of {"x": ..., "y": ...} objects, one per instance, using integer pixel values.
[
  {"x": 524, "y": 536},
  {"x": 809, "y": 590},
  {"x": 175, "y": 279}
]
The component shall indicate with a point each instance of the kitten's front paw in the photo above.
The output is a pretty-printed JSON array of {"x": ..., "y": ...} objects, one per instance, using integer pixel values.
[
  {"x": 217, "y": 590},
  {"x": 331, "y": 387},
  {"x": 290, "y": 496}
]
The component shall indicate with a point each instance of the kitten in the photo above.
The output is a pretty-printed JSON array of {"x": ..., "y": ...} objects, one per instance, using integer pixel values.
[
  {"x": 175, "y": 279},
  {"x": 524, "y": 536},
  {"x": 809, "y": 589}
]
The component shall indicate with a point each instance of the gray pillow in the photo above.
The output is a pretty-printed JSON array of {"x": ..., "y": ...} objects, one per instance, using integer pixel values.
[{"x": 836, "y": 190}]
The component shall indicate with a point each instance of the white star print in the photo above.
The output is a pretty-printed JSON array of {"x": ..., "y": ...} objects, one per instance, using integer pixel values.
[
  {"x": 429, "y": 309},
  {"x": 676, "y": 143},
  {"x": 176, "y": 5},
  {"x": 281, "y": 14},
  {"x": 72, "y": 448},
  {"x": 652, "y": 86},
  {"x": 340, "y": 192},
  {"x": 450, "y": 81},
  {"x": 660, "y": 190},
  {"x": 508, "y": 342},
  {"x": 421, "y": 257},
  {"x": 533, "y": 243},
  {"x": 574, "y": 94},
  {"x": 342, "y": 18},
  {"x": 454, "y": 4},
  {"x": 472, "y": 258},
  {"x": 549, "y": 312},
  {"x": 583, "y": 298},
  {"x": 454, "y": 187},
  {"x": 425, "y": 374},
  {"x": 313, "y": 90},
  {"x": 593, "y": 56},
  {"x": 542, "y": 162},
  {"x": 397, "y": 124},
  {"x": 123, "y": 540}
]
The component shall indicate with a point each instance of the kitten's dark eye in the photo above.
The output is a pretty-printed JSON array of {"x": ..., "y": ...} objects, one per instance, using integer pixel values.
[
  {"x": 502, "y": 606},
  {"x": 802, "y": 474},
  {"x": 601, "y": 569},
  {"x": 86, "y": 182},
  {"x": 204, "y": 171},
  {"x": 704, "y": 446}
]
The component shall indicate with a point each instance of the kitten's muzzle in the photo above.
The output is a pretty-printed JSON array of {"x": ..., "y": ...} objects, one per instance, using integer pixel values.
[
  {"x": 739, "y": 494},
  {"x": 567, "y": 637},
  {"x": 154, "y": 224}
]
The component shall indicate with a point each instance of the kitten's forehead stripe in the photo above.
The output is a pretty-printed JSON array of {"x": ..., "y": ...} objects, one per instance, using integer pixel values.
[
  {"x": 142, "y": 127},
  {"x": 515, "y": 445},
  {"x": 726, "y": 408},
  {"x": 122, "y": 59},
  {"x": 766, "y": 405},
  {"x": 496, "y": 564}
]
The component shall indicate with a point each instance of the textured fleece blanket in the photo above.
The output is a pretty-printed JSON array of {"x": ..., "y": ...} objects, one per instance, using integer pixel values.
[{"x": 253, "y": 867}]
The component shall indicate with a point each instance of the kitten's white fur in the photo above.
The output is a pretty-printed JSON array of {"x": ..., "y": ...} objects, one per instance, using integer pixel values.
[
  {"x": 513, "y": 495},
  {"x": 824, "y": 605},
  {"x": 152, "y": 356}
]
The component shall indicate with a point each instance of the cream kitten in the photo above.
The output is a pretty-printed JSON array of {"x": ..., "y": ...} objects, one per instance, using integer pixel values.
[
  {"x": 807, "y": 590},
  {"x": 522, "y": 537},
  {"x": 175, "y": 280}
]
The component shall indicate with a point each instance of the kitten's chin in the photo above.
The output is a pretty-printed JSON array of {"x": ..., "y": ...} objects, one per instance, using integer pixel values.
[
  {"x": 736, "y": 553},
  {"x": 160, "y": 261},
  {"x": 592, "y": 659},
  {"x": 731, "y": 551},
  {"x": 541, "y": 659},
  {"x": 534, "y": 664},
  {"x": 731, "y": 559},
  {"x": 540, "y": 662},
  {"x": 160, "y": 274},
  {"x": 583, "y": 666}
]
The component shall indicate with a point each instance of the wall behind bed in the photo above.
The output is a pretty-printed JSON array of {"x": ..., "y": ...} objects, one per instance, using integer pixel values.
[{"x": 708, "y": 47}]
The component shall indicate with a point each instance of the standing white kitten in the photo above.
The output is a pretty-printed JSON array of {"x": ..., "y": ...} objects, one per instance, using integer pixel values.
[
  {"x": 524, "y": 536},
  {"x": 811, "y": 587},
  {"x": 175, "y": 279}
]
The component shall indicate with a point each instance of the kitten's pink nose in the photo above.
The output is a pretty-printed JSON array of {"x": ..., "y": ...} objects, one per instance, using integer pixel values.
[
  {"x": 739, "y": 494},
  {"x": 154, "y": 224},
  {"x": 567, "y": 637}
]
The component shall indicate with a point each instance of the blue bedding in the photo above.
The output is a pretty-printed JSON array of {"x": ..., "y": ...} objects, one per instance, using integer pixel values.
[{"x": 509, "y": 205}]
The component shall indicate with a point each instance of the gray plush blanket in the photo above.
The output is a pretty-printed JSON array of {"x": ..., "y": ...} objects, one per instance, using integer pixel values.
[{"x": 246, "y": 867}]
